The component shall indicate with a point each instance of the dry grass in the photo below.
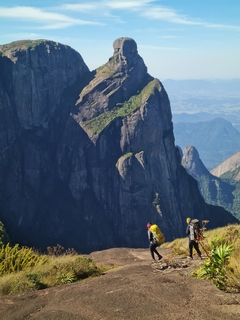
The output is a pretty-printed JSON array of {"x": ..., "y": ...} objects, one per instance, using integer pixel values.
[
  {"x": 55, "y": 271},
  {"x": 229, "y": 234},
  {"x": 179, "y": 246},
  {"x": 59, "y": 267}
]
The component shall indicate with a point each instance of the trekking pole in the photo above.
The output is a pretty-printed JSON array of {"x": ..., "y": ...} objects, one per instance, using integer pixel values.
[
  {"x": 204, "y": 249},
  {"x": 201, "y": 237}
]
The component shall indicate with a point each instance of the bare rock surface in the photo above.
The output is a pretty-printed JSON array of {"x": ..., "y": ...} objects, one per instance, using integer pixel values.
[
  {"x": 192, "y": 162},
  {"x": 230, "y": 164},
  {"x": 136, "y": 289}
]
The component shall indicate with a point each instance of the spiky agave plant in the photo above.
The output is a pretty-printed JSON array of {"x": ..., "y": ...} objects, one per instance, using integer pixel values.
[{"x": 214, "y": 268}]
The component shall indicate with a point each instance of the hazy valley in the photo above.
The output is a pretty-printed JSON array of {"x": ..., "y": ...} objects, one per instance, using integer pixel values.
[
  {"x": 199, "y": 108},
  {"x": 200, "y": 100},
  {"x": 206, "y": 119}
]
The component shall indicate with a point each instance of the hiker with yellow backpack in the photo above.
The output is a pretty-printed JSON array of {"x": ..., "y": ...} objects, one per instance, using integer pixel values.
[{"x": 155, "y": 237}]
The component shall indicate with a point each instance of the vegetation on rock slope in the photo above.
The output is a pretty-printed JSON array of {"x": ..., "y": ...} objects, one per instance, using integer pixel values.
[
  {"x": 122, "y": 110},
  {"x": 22, "y": 45},
  {"x": 4, "y": 237},
  {"x": 223, "y": 191},
  {"x": 23, "y": 269},
  {"x": 222, "y": 247},
  {"x": 230, "y": 178}
]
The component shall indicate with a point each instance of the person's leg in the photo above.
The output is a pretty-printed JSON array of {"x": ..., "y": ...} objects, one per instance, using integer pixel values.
[
  {"x": 197, "y": 249},
  {"x": 151, "y": 247},
  {"x": 157, "y": 253},
  {"x": 191, "y": 242}
]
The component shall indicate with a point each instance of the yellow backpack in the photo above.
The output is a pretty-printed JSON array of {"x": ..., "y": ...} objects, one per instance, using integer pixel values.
[{"x": 158, "y": 236}]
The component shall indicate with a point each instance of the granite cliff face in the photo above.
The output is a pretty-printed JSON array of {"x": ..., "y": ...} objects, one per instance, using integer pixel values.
[
  {"x": 215, "y": 190},
  {"x": 88, "y": 158}
]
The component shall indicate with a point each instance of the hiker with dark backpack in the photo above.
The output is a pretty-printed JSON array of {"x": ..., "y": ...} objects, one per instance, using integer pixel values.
[
  {"x": 155, "y": 237},
  {"x": 193, "y": 232}
]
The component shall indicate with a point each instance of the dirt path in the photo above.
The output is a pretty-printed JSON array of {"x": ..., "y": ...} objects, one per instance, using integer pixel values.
[{"x": 137, "y": 289}]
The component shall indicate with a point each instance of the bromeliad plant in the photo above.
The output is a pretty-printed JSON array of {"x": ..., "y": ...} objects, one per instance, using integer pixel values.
[{"x": 216, "y": 266}]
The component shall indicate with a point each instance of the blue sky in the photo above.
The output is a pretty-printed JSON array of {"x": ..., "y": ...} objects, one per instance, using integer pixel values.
[{"x": 177, "y": 39}]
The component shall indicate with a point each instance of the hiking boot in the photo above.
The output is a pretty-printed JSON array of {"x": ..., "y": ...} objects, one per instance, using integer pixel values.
[
  {"x": 189, "y": 257},
  {"x": 159, "y": 257},
  {"x": 200, "y": 257}
]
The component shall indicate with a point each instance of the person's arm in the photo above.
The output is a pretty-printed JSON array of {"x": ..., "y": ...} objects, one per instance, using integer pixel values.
[
  {"x": 150, "y": 236},
  {"x": 187, "y": 230}
]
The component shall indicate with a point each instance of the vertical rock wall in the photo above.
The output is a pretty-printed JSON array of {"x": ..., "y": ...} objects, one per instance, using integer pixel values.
[{"x": 88, "y": 158}]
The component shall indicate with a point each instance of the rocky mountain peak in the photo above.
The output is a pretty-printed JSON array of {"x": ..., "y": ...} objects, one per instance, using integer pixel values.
[
  {"x": 114, "y": 83},
  {"x": 34, "y": 74},
  {"x": 88, "y": 158},
  {"x": 192, "y": 162}
]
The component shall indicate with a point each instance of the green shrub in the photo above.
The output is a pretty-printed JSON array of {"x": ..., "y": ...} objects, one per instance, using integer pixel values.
[
  {"x": 226, "y": 275},
  {"x": 4, "y": 238},
  {"x": 216, "y": 266},
  {"x": 35, "y": 281}
]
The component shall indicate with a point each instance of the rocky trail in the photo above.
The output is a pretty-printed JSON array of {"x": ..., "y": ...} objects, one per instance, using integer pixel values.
[{"x": 135, "y": 289}]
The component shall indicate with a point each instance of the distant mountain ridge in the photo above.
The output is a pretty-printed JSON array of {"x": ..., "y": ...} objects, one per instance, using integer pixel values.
[
  {"x": 231, "y": 164},
  {"x": 215, "y": 140},
  {"x": 202, "y": 100},
  {"x": 222, "y": 191},
  {"x": 204, "y": 116}
]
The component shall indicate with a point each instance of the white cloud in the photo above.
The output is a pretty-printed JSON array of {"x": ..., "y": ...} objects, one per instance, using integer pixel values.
[
  {"x": 51, "y": 20},
  {"x": 101, "y": 10},
  {"x": 106, "y": 4},
  {"x": 23, "y": 35},
  {"x": 221, "y": 26},
  {"x": 127, "y": 4},
  {"x": 145, "y": 8},
  {"x": 166, "y": 14},
  {"x": 169, "y": 15},
  {"x": 86, "y": 7}
]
